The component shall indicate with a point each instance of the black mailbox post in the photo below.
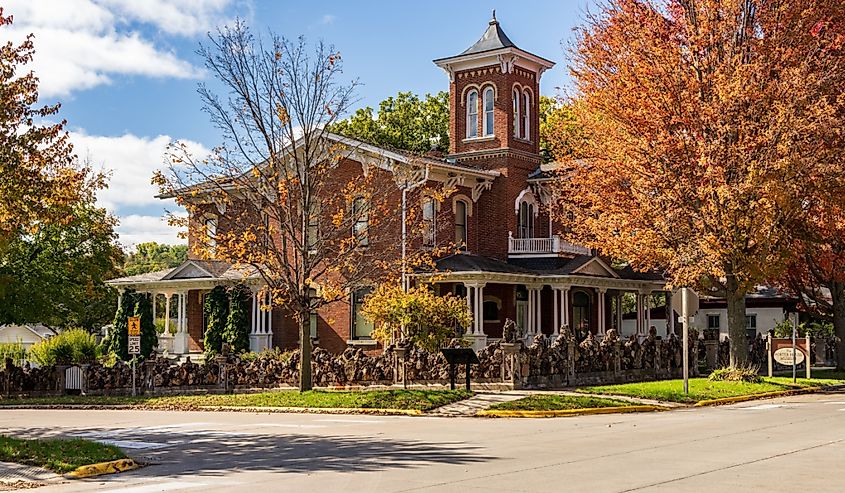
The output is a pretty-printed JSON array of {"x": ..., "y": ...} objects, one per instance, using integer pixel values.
[{"x": 459, "y": 356}]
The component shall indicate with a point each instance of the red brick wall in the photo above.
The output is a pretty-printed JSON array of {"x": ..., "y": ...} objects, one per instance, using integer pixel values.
[{"x": 503, "y": 109}]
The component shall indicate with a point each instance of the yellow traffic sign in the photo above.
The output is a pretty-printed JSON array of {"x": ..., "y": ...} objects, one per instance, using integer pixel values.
[{"x": 134, "y": 326}]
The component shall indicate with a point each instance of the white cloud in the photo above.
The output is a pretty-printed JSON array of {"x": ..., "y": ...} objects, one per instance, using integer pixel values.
[
  {"x": 131, "y": 161},
  {"x": 134, "y": 229},
  {"x": 327, "y": 19},
  {"x": 81, "y": 44}
]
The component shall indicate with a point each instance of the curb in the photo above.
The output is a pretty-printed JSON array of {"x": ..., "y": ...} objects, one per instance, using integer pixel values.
[
  {"x": 315, "y": 410},
  {"x": 494, "y": 413},
  {"x": 91, "y": 470},
  {"x": 754, "y": 397}
]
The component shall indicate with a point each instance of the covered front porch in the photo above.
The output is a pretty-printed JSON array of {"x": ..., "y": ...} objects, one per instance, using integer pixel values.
[
  {"x": 588, "y": 300},
  {"x": 178, "y": 296}
]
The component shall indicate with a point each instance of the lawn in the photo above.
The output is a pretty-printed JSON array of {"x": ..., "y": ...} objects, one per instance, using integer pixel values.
[
  {"x": 701, "y": 389},
  {"x": 374, "y": 399},
  {"x": 57, "y": 455},
  {"x": 553, "y": 402}
]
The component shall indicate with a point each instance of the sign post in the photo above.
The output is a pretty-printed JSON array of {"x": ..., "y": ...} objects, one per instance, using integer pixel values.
[
  {"x": 794, "y": 358},
  {"x": 687, "y": 304},
  {"x": 133, "y": 327}
]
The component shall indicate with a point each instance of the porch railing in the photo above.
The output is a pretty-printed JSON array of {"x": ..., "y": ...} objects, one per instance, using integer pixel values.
[{"x": 541, "y": 246}]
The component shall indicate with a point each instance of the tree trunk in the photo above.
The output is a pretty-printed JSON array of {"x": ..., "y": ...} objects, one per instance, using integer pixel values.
[
  {"x": 736, "y": 323},
  {"x": 837, "y": 294},
  {"x": 305, "y": 353}
]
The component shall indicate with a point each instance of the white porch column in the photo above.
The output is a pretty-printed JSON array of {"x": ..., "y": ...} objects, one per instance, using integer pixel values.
[
  {"x": 602, "y": 325},
  {"x": 647, "y": 300},
  {"x": 539, "y": 318},
  {"x": 565, "y": 307},
  {"x": 556, "y": 300},
  {"x": 619, "y": 320},
  {"x": 260, "y": 337},
  {"x": 475, "y": 300},
  {"x": 167, "y": 297},
  {"x": 180, "y": 340},
  {"x": 154, "y": 296},
  {"x": 640, "y": 320}
]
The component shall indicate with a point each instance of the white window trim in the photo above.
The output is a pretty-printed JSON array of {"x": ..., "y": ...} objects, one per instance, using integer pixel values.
[
  {"x": 526, "y": 115},
  {"x": 492, "y": 112},
  {"x": 517, "y": 114},
  {"x": 470, "y": 116}
]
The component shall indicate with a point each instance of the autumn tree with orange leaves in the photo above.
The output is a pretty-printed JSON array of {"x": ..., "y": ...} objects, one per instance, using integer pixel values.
[
  {"x": 708, "y": 124},
  {"x": 311, "y": 213}
]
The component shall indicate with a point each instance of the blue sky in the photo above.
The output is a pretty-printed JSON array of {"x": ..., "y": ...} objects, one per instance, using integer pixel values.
[{"x": 126, "y": 71}]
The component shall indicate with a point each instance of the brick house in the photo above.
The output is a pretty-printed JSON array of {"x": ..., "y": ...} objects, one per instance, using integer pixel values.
[{"x": 512, "y": 265}]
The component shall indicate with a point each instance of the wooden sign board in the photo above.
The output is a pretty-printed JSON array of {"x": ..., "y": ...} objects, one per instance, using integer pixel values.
[{"x": 134, "y": 326}]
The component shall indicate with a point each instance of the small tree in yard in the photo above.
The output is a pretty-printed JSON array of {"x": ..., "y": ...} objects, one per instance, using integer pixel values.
[
  {"x": 708, "y": 124},
  {"x": 418, "y": 316},
  {"x": 293, "y": 207},
  {"x": 216, "y": 311},
  {"x": 236, "y": 331}
]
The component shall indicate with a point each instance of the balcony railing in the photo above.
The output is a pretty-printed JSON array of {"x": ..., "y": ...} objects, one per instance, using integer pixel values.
[{"x": 543, "y": 246}]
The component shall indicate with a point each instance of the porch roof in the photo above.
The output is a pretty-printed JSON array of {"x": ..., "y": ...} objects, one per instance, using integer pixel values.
[
  {"x": 584, "y": 270},
  {"x": 196, "y": 274}
]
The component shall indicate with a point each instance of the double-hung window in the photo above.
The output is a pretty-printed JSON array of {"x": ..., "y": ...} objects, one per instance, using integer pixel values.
[
  {"x": 472, "y": 114},
  {"x": 461, "y": 224},
  {"x": 488, "y": 111},
  {"x": 429, "y": 222},
  {"x": 361, "y": 221},
  {"x": 361, "y": 327}
]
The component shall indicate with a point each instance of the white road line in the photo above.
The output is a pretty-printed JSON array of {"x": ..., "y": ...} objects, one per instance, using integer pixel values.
[
  {"x": 366, "y": 421},
  {"x": 761, "y": 407},
  {"x": 150, "y": 488}
]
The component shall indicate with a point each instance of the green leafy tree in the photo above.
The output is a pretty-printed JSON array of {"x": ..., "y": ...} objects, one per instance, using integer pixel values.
[
  {"x": 236, "y": 331},
  {"x": 152, "y": 256},
  {"x": 56, "y": 274},
  {"x": 71, "y": 347},
  {"x": 418, "y": 316},
  {"x": 149, "y": 335},
  {"x": 216, "y": 309},
  {"x": 56, "y": 246},
  {"x": 405, "y": 122},
  {"x": 561, "y": 137}
]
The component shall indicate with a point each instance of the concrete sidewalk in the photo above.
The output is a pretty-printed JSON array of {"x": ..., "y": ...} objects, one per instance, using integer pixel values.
[
  {"x": 483, "y": 400},
  {"x": 18, "y": 476}
]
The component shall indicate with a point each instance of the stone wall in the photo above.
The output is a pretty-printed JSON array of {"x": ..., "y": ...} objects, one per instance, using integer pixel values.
[{"x": 545, "y": 362}]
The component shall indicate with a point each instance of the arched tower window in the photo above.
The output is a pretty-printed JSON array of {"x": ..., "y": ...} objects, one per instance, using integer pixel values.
[
  {"x": 488, "y": 111},
  {"x": 526, "y": 116},
  {"x": 526, "y": 220},
  {"x": 472, "y": 114},
  {"x": 516, "y": 114}
]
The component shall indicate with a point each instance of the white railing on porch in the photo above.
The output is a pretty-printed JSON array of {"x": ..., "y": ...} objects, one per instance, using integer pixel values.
[{"x": 538, "y": 246}]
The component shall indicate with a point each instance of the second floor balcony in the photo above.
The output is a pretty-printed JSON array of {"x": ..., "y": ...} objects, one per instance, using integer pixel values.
[{"x": 543, "y": 247}]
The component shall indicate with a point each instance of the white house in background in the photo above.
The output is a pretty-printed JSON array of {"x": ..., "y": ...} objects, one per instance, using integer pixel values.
[
  {"x": 764, "y": 309},
  {"x": 27, "y": 334}
]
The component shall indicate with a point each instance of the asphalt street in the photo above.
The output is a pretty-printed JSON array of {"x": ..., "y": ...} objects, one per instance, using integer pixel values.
[{"x": 784, "y": 445}]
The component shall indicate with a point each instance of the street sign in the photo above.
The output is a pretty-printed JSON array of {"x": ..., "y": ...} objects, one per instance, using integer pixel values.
[
  {"x": 134, "y": 344},
  {"x": 134, "y": 326},
  {"x": 692, "y": 302}
]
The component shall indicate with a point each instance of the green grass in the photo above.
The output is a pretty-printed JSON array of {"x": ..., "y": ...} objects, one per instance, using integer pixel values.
[
  {"x": 57, "y": 455},
  {"x": 552, "y": 402},
  {"x": 702, "y": 389},
  {"x": 374, "y": 399}
]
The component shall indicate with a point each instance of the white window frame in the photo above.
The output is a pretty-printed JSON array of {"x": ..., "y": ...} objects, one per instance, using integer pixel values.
[
  {"x": 210, "y": 224},
  {"x": 356, "y": 300},
  {"x": 461, "y": 242},
  {"x": 472, "y": 114},
  {"x": 429, "y": 210},
  {"x": 361, "y": 222},
  {"x": 489, "y": 95},
  {"x": 526, "y": 116},
  {"x": 516, "y": 113},
  {"x": 718, "y": 321},
  {"x": 526, "y": 213}
]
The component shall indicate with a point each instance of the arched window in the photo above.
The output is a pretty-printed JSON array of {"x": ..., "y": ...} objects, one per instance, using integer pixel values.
[
  {"x": 361, "y": 221},
  {"x": 526, "y": 220},
  {"x": 472, "y": 114},
  {"x": 581, "y": 313},
  {"x": 488, "y": 111},
  {"x": 516, "y": 114},
  {"x": 461, "y": 224},
  {"x": 526, "y": 116}
]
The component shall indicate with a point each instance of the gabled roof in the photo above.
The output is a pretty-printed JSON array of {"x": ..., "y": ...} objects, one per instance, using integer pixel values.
[
  {"x": 189, "y": 270},
  {"x": 383, "y": 154}
]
